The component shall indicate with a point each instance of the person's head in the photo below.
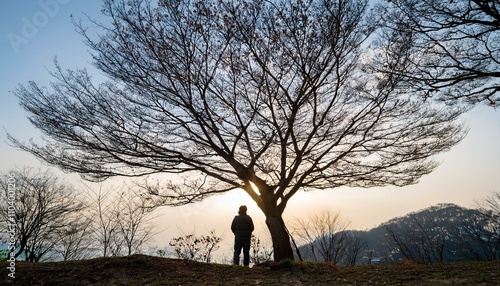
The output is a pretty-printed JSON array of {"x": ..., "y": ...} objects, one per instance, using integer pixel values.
[{"x": 242, "y": 210}]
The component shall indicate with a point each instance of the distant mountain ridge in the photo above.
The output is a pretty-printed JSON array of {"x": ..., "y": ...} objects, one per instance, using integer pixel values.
[{"x": 440, "y": 233}]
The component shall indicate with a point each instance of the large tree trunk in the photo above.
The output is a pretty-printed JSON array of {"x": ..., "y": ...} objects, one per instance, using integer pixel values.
[
  {"x": 281, "y": 239},
  {"x": 267, "y": 202}
]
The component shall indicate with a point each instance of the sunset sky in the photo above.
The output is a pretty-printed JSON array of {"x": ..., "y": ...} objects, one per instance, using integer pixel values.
[{"x": 34, "y": 32}]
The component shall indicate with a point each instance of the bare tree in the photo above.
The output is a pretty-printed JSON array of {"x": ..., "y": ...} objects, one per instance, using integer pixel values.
[
  {"x": 418, "y": 242},
  {"x": 484, "y": 229},
  {"x": 325, "y": 234},
  {"x": 453, "y": 47},
  {"x": 43, "y": 207},
  {"x": 135, "y": 216},
  {"x": 75, "y": 240},
  {"x": 271, "y": 97},
  {"x": 491, "y": 206},
  {"x": 355, "y": 244},
  {"x": 479, "y": 237},
  {"x": 122, "y": 219},
  {"x": 431, "y": 235},
  {"x": 102, "y": 211}
]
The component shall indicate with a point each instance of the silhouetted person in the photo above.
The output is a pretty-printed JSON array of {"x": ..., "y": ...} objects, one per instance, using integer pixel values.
[{"x": 242, "y": 228}]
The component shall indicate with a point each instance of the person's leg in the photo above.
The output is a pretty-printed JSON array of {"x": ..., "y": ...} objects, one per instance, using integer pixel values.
[
  {"x": 237, "y": 250},
  {"x": 246, "y": 252}
]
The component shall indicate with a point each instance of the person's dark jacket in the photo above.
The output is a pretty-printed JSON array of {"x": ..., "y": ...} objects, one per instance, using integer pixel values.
[{"x": 242, "y": 227}]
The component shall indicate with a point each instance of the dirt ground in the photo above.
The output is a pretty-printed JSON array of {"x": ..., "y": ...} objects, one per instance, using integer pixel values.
[{"x": 150, "y": 270}]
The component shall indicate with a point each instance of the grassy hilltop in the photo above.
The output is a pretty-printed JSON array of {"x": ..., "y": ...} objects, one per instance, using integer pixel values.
[{"x": 149, "y": 270}]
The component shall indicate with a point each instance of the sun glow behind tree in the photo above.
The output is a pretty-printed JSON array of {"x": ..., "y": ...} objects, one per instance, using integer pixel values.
[{"x": 239, "y": 94}]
